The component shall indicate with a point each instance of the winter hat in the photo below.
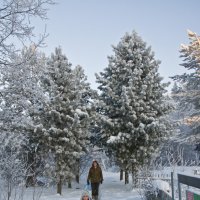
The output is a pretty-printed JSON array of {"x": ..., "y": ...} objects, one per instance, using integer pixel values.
[{"x": 85, "y": 193}]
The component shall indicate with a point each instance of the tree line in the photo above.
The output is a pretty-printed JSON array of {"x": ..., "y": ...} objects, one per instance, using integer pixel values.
[{"x": 50, "y": 115}]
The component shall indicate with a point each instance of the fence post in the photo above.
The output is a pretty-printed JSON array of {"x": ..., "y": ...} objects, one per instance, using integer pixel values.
[
  {"x": 172, "y": 184},
  {"x": 179, "y": 190}
]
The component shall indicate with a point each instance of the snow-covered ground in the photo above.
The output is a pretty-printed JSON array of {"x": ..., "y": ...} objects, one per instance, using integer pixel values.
[{"x": 111, "y": 189}]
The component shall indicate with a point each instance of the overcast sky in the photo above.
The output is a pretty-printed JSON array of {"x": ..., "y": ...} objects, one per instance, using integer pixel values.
[{"x": 86, "y": 29}]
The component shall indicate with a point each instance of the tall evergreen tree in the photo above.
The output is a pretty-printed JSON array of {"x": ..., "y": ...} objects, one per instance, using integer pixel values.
[
  {"x": 132, "y": 106},
  {"x": 66, "y": 132},
  {"x": 85, "y": 110}
]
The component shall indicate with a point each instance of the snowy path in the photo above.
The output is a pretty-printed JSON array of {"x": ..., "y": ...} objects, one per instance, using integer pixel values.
[{"x": 111, "y": 189}]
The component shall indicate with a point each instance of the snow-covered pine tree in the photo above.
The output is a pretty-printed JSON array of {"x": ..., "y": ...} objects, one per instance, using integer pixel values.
[
  {"x": 190, "y": 82},
  {"x": 85, "y": 110},
  {"x": 132, "y": 105},
  {"x": 66, "y": 133}
]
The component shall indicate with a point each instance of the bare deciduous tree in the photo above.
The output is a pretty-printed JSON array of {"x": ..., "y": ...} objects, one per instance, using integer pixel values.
[
  {"x": 12, "y": 167},
  {"x": 15, "y": 26}
]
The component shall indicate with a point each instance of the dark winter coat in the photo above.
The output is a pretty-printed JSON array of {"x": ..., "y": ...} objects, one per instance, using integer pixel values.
[{"x": 95, "y": 175}]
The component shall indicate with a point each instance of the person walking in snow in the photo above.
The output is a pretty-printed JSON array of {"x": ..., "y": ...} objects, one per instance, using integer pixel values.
[{"x": 95, "y": 176}]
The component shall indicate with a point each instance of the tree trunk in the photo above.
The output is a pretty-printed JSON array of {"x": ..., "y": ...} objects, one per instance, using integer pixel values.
[
  {"x": 121, "y": 174},
  {"x": 69, "y": 183},
  {"x": 9, "y": 188},
  {"x": 78, "y": 171},
  {"x": 77, "y": 178},
  {"x": 134, "y": 176},
  {"x": 126, "y": 177},
  {"x": 31, "y": 179},
  {"x": 59, "y": 186}
]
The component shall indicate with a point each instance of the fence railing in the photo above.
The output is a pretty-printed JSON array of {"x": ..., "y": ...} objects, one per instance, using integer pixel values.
[
  {"x": 189, "y": 181},
  {"x": 182, "y": 179}
]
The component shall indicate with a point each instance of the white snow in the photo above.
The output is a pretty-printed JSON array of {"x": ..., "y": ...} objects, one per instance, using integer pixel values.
[
  {"x": 162, "y": 185},
  {"x": 81, "y": 113},
  {"x": 111, "y": 189},
  {"x": 113, "y": 139}
]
